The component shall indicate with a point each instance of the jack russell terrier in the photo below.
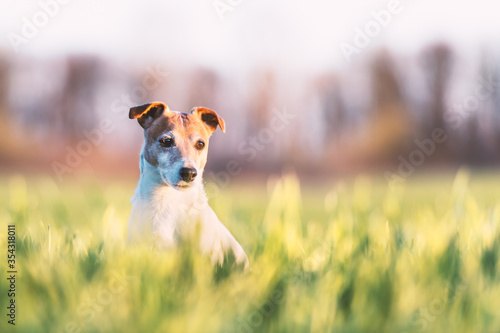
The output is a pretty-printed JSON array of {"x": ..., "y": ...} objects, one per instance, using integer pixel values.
[{"x": 170, "y": 200}]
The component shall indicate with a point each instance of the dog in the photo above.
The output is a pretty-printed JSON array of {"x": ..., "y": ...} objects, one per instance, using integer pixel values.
[{"x": 170, "y": 199}]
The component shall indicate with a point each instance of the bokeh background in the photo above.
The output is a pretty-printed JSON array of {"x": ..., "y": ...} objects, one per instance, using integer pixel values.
[
  {"x": 359, "y": 169},
  {"x": 360, "y": 81}
]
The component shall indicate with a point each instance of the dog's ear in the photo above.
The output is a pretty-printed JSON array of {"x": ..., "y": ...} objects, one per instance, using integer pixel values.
[
  {"x": 210, "y": 118},
  {"x": 147, "y": 113}
]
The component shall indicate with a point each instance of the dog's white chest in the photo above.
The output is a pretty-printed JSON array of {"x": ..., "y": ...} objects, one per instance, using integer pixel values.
[{"x": 166, "y": 215}]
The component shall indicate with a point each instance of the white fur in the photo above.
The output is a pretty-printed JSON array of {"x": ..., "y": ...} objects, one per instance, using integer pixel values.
[{"x": 164, "y": 215}]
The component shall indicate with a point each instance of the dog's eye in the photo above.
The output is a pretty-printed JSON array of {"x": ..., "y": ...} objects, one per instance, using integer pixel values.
[
  {"x": 199, "y": 145},
  {"x": 167, "y": 142}
]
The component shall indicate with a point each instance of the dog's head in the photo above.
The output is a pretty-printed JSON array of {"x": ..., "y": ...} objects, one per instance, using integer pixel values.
[{"x": 176, "y": 143}]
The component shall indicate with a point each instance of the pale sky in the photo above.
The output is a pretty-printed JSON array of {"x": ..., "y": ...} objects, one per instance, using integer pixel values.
[{"x": 299, "y": 34}]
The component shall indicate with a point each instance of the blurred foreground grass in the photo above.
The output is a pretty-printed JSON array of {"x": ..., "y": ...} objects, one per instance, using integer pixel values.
[{"x": 354, "y": 256}]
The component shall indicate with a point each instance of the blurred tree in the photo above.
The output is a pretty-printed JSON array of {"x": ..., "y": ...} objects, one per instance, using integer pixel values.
[
  {"x": 4, "y": 117},
  {"x": 437, "y": 63},
  {"x": 496, "y": 114},
  {"x": 332, "y": 105},
  {"x": 76, "y": 110},
  {"x": 259, "y": 112},
  {"x": 482, "y": 128},
  {"x": 391, "y": 127},
  {"x": 4, "y": 83},
  {"x": 261, "y": 100}
]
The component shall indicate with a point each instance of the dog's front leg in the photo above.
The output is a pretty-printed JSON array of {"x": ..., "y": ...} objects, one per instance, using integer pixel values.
[{"x": 217, "y": 241}]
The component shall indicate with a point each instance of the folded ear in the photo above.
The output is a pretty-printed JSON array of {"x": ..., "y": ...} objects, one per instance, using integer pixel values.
[
  {"x": 210, "y": 118},
  {"x": 147, "y": 113}
]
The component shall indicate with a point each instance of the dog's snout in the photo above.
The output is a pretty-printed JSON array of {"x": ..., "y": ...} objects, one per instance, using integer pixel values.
[{"x": 188, "y": 174}]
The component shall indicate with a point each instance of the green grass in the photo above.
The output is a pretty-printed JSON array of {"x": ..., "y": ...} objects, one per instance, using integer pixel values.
[{"x": 351, "y": 256}]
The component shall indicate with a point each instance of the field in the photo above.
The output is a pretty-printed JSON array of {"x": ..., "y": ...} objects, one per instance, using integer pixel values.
[{"x": 343, "y": 256}]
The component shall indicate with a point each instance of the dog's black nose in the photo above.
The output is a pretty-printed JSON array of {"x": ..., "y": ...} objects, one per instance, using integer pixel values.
[{"x": 188, "y": 174}]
